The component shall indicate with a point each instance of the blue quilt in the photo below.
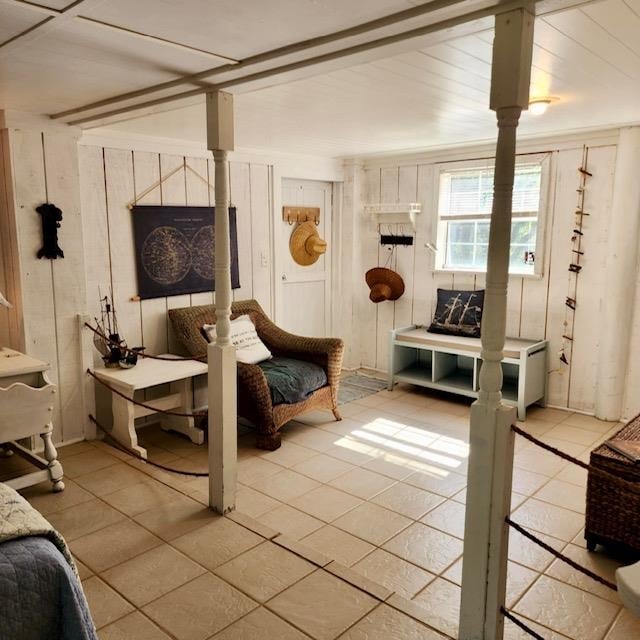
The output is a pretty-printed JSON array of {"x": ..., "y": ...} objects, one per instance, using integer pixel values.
[{"x": 40, "y": 595}]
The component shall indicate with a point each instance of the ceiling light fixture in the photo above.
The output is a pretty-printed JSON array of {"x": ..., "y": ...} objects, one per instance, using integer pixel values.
[{"x": 538, "y": 106}]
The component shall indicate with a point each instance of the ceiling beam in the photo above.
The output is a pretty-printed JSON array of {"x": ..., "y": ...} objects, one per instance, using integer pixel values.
[
  {"x": 48, "y": 11},
  {"x": 54, "y": 21},
  {"x": 545, "y": 7},
  {"x": 288, "y": 68},
  {"x": 268, "y": 56},
  {"x": 390, "y": 43},
  {"x": 154, "y": 39}
]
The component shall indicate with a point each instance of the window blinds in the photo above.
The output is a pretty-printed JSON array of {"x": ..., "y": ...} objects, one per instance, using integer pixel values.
[{"x": 469, "y": 192}]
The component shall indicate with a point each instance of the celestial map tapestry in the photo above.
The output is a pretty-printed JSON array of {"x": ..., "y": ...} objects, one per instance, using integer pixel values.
[{"x": 175, "y": 250}]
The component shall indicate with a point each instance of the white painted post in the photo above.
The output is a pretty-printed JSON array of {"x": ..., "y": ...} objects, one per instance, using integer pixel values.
[
  {"x": 622, "y": 269},
  {"x": 221, "y": 355},
  {"x": 484, "y": 569},
  {"x": 348, "y": 270}
]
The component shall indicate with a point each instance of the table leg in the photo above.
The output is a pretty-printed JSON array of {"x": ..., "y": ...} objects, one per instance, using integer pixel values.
[
  {"x": 51, "y": 456},
  {"x": 124, "y": 424},
  {"x": 183, "y": 424}
]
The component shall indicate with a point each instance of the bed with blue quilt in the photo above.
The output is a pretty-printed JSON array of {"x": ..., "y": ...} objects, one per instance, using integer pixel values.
[{"x": 41, "y": 597}]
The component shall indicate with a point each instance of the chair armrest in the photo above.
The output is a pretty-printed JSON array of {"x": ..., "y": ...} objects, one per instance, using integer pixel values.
[
  {"x": 252, "y": 378},
  {"x": 254, "y": 395},
  {"x": 327, "y": 352}
]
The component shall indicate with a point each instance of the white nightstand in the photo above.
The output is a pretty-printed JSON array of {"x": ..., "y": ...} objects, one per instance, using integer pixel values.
[
  {"x": 26, "y": 407},
  {"x": 151, "y": 373}
]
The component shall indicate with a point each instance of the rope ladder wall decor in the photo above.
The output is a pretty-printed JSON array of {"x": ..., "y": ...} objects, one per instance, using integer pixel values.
[{"x": 575, "y": 266}]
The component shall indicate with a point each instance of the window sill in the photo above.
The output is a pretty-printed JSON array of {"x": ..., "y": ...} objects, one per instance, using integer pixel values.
[{"x": 477, "y": 272}]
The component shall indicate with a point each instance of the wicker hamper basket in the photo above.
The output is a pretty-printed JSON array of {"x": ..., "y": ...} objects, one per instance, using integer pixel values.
[{"x": 613, "y": 512}]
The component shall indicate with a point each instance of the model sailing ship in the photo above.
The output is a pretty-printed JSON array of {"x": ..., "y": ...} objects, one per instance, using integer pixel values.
[{"x": 108, "y": 340}]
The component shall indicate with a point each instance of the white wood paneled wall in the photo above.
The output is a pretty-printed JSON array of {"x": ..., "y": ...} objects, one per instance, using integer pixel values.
[
  {"x": 93, "y": 184},
  {"x": 43, "y": 167},
  {"x": 11, "y": 326},
  {"x": 99, "y": 252},
  {"x": 110, "y": 179},
  {"x": 536, "y": 307}
]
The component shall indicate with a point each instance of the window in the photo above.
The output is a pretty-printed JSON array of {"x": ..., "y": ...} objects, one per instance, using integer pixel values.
[{"x": 465, "y": 199}]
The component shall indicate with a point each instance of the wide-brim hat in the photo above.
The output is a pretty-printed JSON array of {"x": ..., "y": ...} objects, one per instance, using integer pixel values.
[
  {"x": 385, "y": 284},
  {"x": 306, "y": 245}
]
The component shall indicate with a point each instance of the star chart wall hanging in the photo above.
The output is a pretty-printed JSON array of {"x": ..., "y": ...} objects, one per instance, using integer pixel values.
[{"x": 175, "y": 248}]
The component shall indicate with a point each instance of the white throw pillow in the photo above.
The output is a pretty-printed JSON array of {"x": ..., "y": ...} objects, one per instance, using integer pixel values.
[{"x": 244, "y": 337}]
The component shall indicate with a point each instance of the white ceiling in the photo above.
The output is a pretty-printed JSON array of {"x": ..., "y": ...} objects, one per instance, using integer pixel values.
[
  {"x": 97, "y": 50},
  {"x": 437, "y": 95}
]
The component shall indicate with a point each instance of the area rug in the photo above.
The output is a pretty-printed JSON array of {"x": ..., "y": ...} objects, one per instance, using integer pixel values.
[{"x": 356, "y": 386}]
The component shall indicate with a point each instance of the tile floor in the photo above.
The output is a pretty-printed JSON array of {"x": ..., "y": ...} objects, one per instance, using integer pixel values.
[{"x": 351, "y": 530}]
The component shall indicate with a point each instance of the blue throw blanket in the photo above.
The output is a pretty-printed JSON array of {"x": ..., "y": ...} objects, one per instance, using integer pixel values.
[
  {"x": 291, "y": 381},
  {"x": 41, "y": 597}
]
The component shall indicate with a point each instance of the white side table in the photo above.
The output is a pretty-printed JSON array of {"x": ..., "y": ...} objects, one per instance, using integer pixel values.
[
  {"x": 26, "y": 406},
  {"x": 151, "y": 373}
]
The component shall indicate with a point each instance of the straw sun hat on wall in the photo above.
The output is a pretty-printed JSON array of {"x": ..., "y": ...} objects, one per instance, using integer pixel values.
[
  {"x": 306, "y": 245},
  {"x": 384, "y": 284}
]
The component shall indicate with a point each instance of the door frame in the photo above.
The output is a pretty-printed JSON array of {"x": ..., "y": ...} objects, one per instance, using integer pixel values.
[{"x": 277, "y": 177}]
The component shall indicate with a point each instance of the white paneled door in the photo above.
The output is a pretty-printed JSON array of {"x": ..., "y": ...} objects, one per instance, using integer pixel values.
[{"x": 305, "y": 300}]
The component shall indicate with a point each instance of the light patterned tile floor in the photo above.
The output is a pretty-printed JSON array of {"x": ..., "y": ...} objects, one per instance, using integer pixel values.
[{"x": 382, "y": 492}]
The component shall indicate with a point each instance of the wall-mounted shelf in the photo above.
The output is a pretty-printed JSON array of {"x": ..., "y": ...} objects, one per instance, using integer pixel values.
[{"x": 394, "y": 213}]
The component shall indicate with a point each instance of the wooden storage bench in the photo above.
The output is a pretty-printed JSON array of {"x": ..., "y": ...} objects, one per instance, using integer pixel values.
[{"x": 452, "y": 363}]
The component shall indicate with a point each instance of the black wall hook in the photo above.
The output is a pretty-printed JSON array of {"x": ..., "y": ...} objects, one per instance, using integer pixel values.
[{"x": 51, "y": 218}]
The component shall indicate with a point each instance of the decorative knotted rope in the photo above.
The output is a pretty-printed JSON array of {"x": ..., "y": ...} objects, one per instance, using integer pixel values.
[
  {"x": 560, "y": 556},
  {"x": 142, "y": 354},
  {"x": 167, "y": 412},
  {"x": 125, "y": 449},
  {"x": 608, "y": 477},
  {"x": 507, "y": 614},
  {"x": 605, "y": 475}
]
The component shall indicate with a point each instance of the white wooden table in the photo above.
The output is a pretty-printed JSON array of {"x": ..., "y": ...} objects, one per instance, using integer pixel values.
[
  {"x": 26, "y": 406},
  {"x": 151, "y": 373}
]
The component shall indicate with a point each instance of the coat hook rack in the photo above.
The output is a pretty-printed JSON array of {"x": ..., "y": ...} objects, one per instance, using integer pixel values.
[
  {"x": 298, "y": 215},
  {"x": 396, "y": 240}
]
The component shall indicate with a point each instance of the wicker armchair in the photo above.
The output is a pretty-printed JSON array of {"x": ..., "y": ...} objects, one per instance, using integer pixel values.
[{"x": 254, "y": 397}]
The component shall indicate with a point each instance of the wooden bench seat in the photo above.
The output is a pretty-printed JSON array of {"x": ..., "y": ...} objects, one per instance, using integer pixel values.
[{"x": 452, "y": 364}]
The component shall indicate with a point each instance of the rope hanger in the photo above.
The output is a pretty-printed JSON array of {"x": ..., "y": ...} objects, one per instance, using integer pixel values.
[{"x": 157, "y": 183}]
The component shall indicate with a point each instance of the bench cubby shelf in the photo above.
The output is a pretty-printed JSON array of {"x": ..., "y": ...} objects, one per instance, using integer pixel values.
[{"x": 453, "y": 363}]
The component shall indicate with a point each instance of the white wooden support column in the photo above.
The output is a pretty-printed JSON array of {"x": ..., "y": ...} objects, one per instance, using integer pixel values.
[
  {"x": 486, "y": 535},
  {"x": 622, "y": 271},
  {"x": 223, "y": 443},
  {"x": 349, "y": 264}
]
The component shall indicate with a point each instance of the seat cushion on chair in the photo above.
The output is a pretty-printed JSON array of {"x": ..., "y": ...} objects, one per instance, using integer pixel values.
[{"x": 291, "y": 381}]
